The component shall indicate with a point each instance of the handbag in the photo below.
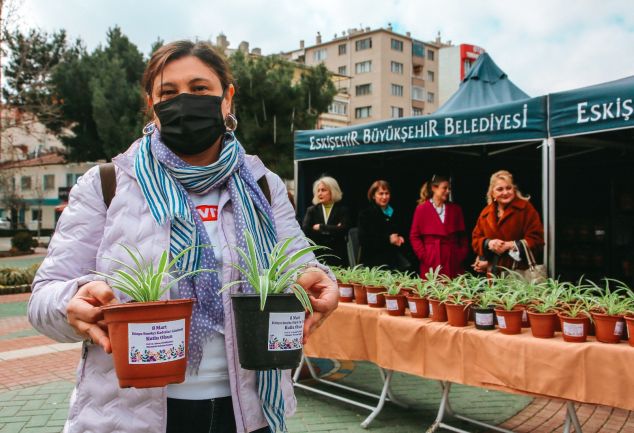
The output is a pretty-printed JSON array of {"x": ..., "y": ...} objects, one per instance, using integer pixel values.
[{"x": 535, "y": 273}]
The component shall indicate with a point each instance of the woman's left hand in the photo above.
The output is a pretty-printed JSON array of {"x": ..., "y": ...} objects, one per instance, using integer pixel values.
[{"x": 324, "y": 297}]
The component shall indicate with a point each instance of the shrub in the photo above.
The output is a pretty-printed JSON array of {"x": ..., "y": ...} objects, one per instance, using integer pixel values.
[{"x": 22, "y": 241}]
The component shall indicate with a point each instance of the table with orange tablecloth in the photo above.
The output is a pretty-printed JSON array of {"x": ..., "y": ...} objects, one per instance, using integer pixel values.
[{"x": 588, "y": 372}]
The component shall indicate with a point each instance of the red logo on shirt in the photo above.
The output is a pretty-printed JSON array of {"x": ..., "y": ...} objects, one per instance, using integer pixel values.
[{"x": 207, "y": 213}]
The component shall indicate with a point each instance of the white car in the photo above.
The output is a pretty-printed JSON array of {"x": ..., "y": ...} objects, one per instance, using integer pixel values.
[{"x": 5, "y": 224}]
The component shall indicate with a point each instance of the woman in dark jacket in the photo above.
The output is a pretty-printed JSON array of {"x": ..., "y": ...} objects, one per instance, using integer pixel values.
[
  {"x": 326, "y": 223},
  {"x": 380, "y": 234}
]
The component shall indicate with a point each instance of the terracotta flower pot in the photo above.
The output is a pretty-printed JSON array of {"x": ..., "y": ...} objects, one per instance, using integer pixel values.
[
  {"x": 484, "y": 318},
  {"x": 375, "y": 296},
  {"x": 418, "y": 307},
  {"x": 574, "y": 329},
  {"x": 395, "y": 304},
  {"x": 457, "y": 315},
  {"x": 360, "y": 296},
  {"x": 149, "y": 341},
  {"x": 406, "y": 291},
  {"x": 510, "y": 322},
  {"x": 608, "y": 329},
  {"x": 346, "y": 292},
  {"x": 542, "y": 324},
  {"x": 630, "y": 329},
  {"x": 437, "y": 310}
]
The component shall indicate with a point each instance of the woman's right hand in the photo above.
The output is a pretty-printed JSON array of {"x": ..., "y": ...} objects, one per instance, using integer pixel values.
[
  {"x": 397, "y": 240},
  {"x": 480, "y": 266},
  {"x": 84, "y": 312}
]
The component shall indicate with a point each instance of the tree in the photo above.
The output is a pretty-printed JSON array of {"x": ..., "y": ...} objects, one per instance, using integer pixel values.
[{"x": 274, "y": 98}]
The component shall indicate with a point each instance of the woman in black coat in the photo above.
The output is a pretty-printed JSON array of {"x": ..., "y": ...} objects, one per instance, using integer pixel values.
[
  {"x": 326, "y": 223},
  {"x": 380, "y": 235}
]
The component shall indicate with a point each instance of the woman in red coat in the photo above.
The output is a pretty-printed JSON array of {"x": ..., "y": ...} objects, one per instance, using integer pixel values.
[
  {"x": 437, "y": 234},
  {"x": 507, "y": 219}
]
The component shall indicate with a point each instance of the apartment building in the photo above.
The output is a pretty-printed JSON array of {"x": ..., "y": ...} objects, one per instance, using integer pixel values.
[{"x": 389, "y": 75}]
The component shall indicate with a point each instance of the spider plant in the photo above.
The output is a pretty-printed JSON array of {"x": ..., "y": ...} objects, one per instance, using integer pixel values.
[
  {"x": 419, "y": 286},
  {"x": 142, "y": 281},
  {"x": 612, "y": 302},
  {"x": 373, "y": 276},
  {"x": 486, "y": 298},
  {"x": 507, "y": 300},
  {"x": 281, "y": 274},
  {"x": 578, "y": 309},
  {"x": 548, "y": 300}
]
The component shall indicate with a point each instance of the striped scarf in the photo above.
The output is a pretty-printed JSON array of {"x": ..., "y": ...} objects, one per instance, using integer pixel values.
[{"x": 166, "y": 181}]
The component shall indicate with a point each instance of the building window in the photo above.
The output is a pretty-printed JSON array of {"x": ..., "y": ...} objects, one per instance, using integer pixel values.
[
  {"x": 363, "y": 44},
  {"x": 362, "y": 112},
  {"x": 342, "y": 49},
  {"x": 418, "y": 49},
  {"x": 430, "y": 97},
  {"x": 418, "y": 93},
  {"x": 71, "y": 178},
  {"x": 320, "y": 55},
  {"x": 396, "y": 112},
  {"x": 430, "y": 76},
  {"x": 49, "y": 182},
  {"x": 338, "y": 107},
  {"x": 396, "y": 67},
  {"x": 417, "y": 111},
  {"x": 363, "y": 67},
  {"x": 397, "y": 90},
  {"x": 430, "y": 55},
  {"x": 363, "y": 89},
  {"x": 397, "y": 45},
  {"x": 36, "y": 214},
  {"x": 25, "y": 182},
  {"x": 343, "y": 70}
]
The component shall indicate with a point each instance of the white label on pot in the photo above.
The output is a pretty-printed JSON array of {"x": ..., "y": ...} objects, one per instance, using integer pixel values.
[
  {"x": 484, "y": 319},
  {"x": 618, "y": 328},
  {"x": 502, "y": 322},
  {"x": 412, "y": 307},
  {"x": 524, "y": 316},
  {"x": 431, "y": 309},
  {"x": 573, "y": 329},
  {"x": 372, "y": 298},
  {"x": 153, "y": 343},
  {"x": 392, "y": 304},
  {"x": 345, "y": 291},
  {"x": 285, "y": 331}
]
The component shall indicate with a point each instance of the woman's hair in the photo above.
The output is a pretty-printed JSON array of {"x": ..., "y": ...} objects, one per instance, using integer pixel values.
[
  {"x": 203, "y": 51},
  {"x": 331, "y": 184},
  {"x": 426, "y": 191},
  {"x": 376, "y": 185},
  {"x": 507, "y": 177}
]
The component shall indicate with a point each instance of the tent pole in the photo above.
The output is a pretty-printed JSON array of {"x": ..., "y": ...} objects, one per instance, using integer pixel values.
[
  {"x": 295, "y": 180},
  {"x": 551, "y": 207},
  {"x": 545, "y": 215}
]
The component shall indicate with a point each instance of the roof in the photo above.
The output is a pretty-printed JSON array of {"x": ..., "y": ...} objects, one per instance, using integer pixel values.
[
  {"x": 485, "y": 85},
  {"x": 48, "y": 159}
]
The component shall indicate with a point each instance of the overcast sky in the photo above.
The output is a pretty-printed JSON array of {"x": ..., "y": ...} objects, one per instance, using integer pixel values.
[{"x": 543, "y": 45}]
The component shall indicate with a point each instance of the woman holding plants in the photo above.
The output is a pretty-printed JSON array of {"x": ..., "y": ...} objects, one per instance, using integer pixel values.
[
  {"x": 326, "y": 222},
  {"x": 437, "y": 234},
  {"x": 380, "y": 235},
  {"x": 186, "y": 182},
  {"x": 508, "y": 221}
]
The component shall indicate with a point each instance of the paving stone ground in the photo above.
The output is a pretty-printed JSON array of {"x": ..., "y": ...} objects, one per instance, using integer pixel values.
[{"x": 35, "y": 388}]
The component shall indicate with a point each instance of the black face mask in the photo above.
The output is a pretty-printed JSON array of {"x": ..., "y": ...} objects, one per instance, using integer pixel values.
[{"x": 190, "y": 124}]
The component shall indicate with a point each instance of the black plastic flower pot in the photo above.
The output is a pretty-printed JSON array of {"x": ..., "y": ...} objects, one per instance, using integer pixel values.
[
  {"x": 269, "y": 339},
  {"x": 484, "y": 318}
]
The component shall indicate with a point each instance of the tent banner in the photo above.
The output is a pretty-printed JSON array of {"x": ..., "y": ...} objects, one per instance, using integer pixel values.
[
  {"x": 515, "y": 121},
  {"x": 591, "y": 109}
]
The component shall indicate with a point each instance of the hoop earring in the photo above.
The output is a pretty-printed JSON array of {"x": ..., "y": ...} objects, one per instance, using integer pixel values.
[
  {"x": 149, "y": 128},
  {"x": 231, "y": 122}
]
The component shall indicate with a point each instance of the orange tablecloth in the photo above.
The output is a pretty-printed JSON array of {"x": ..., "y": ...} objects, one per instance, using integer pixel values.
[{"x": 589, "y": 372}]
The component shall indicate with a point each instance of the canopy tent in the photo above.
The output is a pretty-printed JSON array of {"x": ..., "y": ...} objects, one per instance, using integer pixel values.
[{"x": 485, "y": 85}]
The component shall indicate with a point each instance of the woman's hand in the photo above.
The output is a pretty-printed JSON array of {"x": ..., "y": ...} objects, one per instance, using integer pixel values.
[
  {"x": 480, "y": 266},
  {"x": 84, "y": 312},
  {"x": 316, "y": 227},
  {"x": 324, "y": 297},
  {"x": 498, "y": 246},
  {"x": 396, "y": 240}
]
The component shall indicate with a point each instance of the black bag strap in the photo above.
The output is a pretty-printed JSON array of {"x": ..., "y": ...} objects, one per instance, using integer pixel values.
[
  {"x": 108, "y": 182},
  {"x": 264, "y": 186}
]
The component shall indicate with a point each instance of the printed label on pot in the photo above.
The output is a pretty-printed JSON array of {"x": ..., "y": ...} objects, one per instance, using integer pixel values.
[
  {"x": 153, "y": 343},
  {"x": 412, "y": 307},
  {"x": 345, "y": 292},
  {"x": 501, "y": 322},
  {"x": 618, "y": 328},
  {"x": 372, "y": 298},
  {"x": 285, "y": 331},
  {"x": 484, "y": 319},
  {"x": 573, "y": 329},
  {"x": 431, "y": 309},
  {"x": 392, "y": 304}
]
